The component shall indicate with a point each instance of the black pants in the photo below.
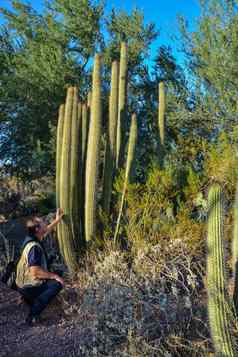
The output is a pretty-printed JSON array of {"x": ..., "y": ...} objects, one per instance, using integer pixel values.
[{"x": 39, "y": 296}]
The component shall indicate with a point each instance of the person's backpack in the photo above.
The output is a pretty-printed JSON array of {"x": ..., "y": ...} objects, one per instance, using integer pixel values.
[{"x": 9, "y": 273}]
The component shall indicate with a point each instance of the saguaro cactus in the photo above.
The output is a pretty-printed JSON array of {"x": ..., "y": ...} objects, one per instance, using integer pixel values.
[
  {"x": 129, "y": 163},
  {"x": 93, "y": 152},
  {"x": 219, "y": 307},
  {"x": 111, "y": 140},
  {"x": 122, "y": 106},
  {"x": 66, "y": 237}
]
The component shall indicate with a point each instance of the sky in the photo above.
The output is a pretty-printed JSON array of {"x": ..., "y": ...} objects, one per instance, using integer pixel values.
[{"x": 162, "y": 12}]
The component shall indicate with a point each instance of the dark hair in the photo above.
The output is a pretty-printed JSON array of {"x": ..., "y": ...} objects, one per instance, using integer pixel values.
[{"x": 32, "y": 227}]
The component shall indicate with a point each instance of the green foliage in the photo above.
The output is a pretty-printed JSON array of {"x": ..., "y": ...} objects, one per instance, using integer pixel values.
[
  {"x": 221, "y": 162},
  {"x": 42, "y": 53},
  {"x": 211, "y": 50},
  {"x": 130, "y": 28}
]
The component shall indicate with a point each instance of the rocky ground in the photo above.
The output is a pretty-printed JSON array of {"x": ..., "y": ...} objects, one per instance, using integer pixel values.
[{"x": 58, "y": 334}]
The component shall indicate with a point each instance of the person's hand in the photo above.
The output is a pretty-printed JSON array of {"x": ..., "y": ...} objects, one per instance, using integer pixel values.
[
  {"x": 59, "y": 214},
  {"x": 59, "y": 279}
]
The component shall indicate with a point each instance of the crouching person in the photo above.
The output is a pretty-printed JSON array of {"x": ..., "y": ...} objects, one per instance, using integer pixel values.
[{"x": 35, "y": 283}]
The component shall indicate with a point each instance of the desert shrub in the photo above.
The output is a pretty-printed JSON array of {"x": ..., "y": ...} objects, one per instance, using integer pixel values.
[{"x": 221, "y": 163}]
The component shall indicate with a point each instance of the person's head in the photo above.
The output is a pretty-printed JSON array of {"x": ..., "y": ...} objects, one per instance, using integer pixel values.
[{"x": 36, "y": 228}]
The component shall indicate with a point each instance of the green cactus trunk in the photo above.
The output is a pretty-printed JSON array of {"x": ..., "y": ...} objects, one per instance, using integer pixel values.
[
  {"x": 111, "y": 140},
  {"x": 66, "y": 239},
  {"x": 219, "y": 307},
  {"x": 122, "y": 106},
  {"x": 129, "y": 166},
  {"x": 59, "y": 141},
  {"x": 85, "y": 124},
  {"x": 85, "y": 127},
  {"x": 93, "y": 154},
  {"x": 60, "y": 128},
  {"x": 235, "y": 252},
  {"x": 161, "y": 123},
  {"x": 75, "y": 172},
  {"x": 89, "y": 99}
]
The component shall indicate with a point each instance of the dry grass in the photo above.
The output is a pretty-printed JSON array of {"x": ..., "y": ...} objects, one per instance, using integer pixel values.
[{"x": 151, "y": 305}]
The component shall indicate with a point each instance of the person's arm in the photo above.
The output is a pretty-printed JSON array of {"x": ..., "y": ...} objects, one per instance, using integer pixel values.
[
  {"x": 39, "y": 273},
  {"x": 59, "y": 215}
]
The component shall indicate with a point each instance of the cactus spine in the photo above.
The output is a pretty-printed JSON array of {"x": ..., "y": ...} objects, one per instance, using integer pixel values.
[
  {"x": 129, "y": 163},
  {"x": 66, "y": 238},
  {"x": 93, "y": 153},
  {"x": 219, "y": 310},
  {"x": 111, "y": 140},
  {"x": 122, "y": 105}
]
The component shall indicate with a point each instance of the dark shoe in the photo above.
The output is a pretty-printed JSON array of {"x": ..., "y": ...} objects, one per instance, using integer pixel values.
[{"x": 32, "y": 320}]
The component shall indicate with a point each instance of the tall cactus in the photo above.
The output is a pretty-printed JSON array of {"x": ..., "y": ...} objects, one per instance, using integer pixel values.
[
  {"x": 111, "y": 140},
  {"x": 161, "y": 123},
  {"x": 122, "y": 105},
  {"x": 85, "y": 127},
  {"x": 66, "y": 237},
  {"x": 161, "y": 118},
  {"x": 219, "y": 308},
  {"x": 75, "y": 171},
  {"x": 129, "y": 164},
  {"x": 60, "y": 128},
  {"x": 59, "y": 140},
  {"x": 235, "y": 251},
  {"x": 85, "y": 122},
  {"x": 89, "y": 99},
  {"x": 93, "y": 153}
]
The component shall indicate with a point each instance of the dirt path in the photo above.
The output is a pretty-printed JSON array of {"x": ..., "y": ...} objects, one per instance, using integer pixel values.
[{"x": 57, "y": 335}]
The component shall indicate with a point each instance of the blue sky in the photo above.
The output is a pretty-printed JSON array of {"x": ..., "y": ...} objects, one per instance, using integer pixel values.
[{"x": 162, "y": 12}]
